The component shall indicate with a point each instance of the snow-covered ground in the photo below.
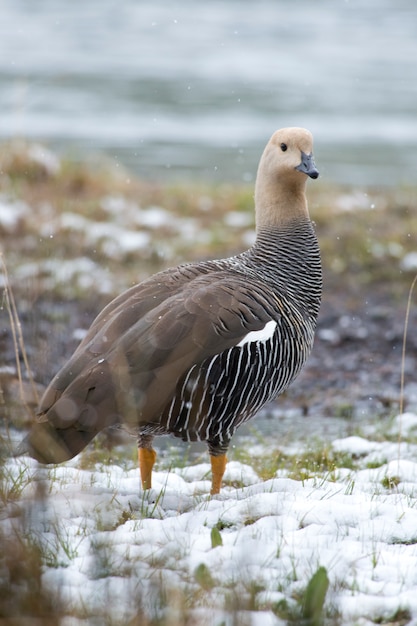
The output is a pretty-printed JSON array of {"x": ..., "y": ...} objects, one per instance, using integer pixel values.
[{"x": 111, "y": 551}]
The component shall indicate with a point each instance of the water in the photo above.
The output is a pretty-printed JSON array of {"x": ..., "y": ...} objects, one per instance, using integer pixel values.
[{"x": 193, "y": 90}]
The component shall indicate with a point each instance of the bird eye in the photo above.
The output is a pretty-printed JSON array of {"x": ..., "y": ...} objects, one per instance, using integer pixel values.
[{"x": 283, "y": 147}]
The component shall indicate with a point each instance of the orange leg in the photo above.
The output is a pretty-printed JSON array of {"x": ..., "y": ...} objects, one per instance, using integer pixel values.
[
  {"x": 147, "y": 458},
  {"x": 218, "y": 467}
]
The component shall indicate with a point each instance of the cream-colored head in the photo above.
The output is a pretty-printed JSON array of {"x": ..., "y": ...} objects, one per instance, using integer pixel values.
[{"x": 282, "y": 175}]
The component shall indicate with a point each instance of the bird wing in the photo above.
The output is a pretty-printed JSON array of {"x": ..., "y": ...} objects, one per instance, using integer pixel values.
[
  {"x": 118, "y": 315},
  {"x": 130, "y": 363}
]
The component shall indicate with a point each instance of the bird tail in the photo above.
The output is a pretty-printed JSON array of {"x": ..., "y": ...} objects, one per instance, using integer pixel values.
[{"x": 47, "y": 444}]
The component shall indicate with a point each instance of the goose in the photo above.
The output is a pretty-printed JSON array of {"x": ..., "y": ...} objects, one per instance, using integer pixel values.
[{"x": 196, "y": 350}]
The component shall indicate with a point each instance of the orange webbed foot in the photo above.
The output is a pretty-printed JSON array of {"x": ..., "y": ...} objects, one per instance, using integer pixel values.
[
  {"x": 218, "y": 467},
  {"x": 147, "y": 457}
]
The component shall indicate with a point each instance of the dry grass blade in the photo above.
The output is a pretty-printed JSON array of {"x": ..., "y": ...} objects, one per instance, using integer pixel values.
[
  {"x": 18, "y": 342},
  {"x": 404, "y": 349}
]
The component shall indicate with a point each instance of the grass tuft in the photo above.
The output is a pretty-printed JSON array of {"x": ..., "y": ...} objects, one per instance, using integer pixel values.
[
  {"x": 390, "y": 482},
  {"x": 314, "y": 597},
  {"x": 316, "y": 459},
  {"x": 216, "y": 538},
  {"x": 204, "y": 577}
]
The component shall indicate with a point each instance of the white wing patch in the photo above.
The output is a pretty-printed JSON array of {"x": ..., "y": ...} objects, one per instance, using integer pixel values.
[{"x": 259, "y": 335}]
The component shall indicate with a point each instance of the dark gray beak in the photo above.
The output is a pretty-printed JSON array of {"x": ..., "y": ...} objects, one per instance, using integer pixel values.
[{"x": 307, "y": 165}]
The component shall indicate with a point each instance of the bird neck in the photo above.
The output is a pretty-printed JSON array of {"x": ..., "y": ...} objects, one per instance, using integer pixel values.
[
  {"x": 289, "y": 259},
  {"x": 277, "y": 205},
  {"x": 293, "y": 244}
]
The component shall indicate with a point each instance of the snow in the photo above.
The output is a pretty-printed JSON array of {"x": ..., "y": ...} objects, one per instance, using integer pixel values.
[
  {"x": 116, "y": 240},
  {"x": 354, "y": 201},
  {"x": 12, "y": 212},
  {"x": 81, "y": 272},
  {"x": 44, "y": 157},
  {"x": 127, "y": 213},
  {"x": 409, "y": 262},
  {"x": 238, "y": 219},
  {"x": 111, "y": 544}
]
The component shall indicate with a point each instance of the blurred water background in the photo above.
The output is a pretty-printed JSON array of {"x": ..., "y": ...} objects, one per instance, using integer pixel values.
[{"x": 193, "y": 90}]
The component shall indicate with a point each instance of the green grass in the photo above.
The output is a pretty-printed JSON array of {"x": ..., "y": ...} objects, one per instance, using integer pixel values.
[{"x": 316, "y": 459}]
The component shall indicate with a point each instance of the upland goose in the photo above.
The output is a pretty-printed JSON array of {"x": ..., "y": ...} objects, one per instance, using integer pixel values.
[{"x": 196, "y": 350}]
